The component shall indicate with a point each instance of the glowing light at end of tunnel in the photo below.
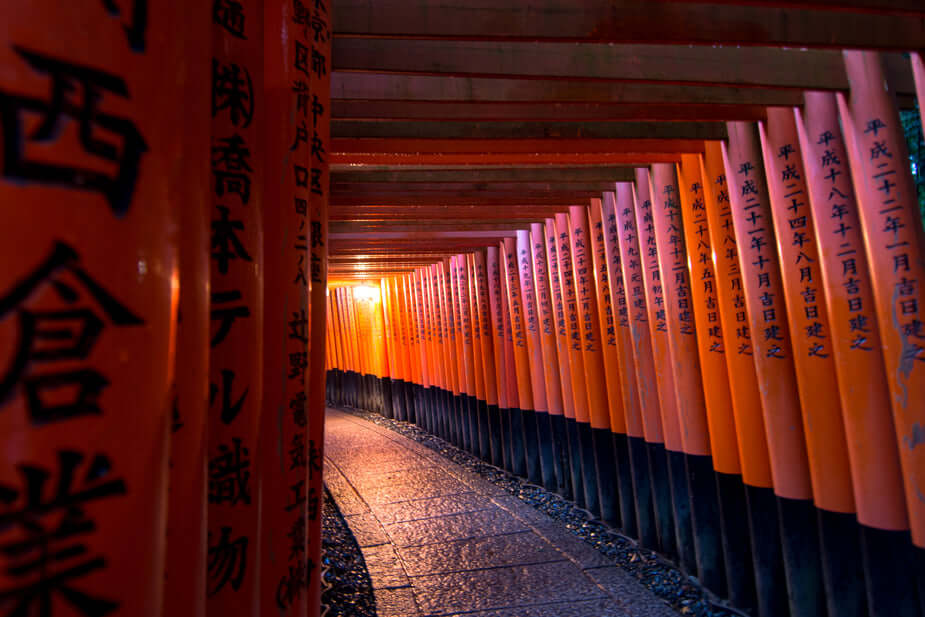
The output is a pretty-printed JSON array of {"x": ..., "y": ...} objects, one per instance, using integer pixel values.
[{"x": 366, "y": 292}]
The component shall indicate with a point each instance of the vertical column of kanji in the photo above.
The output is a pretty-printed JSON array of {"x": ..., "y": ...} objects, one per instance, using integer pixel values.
[
  {"x": 88, "y": 299},
  {"x": 664, "y": 372},
  {"x": 622, "y": 470},
  {"x": 774, "y": 365},
  {"x": 400, "y": 384},
  {"x": 717, "y": 399},
  {"x": 682, "y": 346},
  {"x": 462, "y": 395},
  {"x": 432, "y": 365},
  {"x": 599, "y": 405},
  {"x": 481, "y": 404},
  {"x": 654, "y": 514},
  {"x": 189, "y": 189},
  {"x": 423, "y": 382},
  {"x": 630, "y": 448},
  {"x": 489, "y": 360},
  {"x": 285, "y": 493},
  {"x": 515, "y": 416},
  {"x": 389, "y": 371},
  {"x": 583, "y": 433},
  {"x": 496, "y": 310},
  {"x": 817, "y": 385},
  {"x": 558, "y": 435},
  {"x": 895, "y": 244},
  {"x": 414, "y": 346},
  {"x": 237, "y": 307},
  {"x": 771, "y": 596},
  {"x": 572, "y": 481},
  {"x": 464, "y": 331},
  {"x": 439, "y": 393},
  {"x": 316, "y": 25},
  {"x": 451, "y": 397},
  {"x": 537, "y": 426},
  {"x": 527, "y": 416},
  {"x": 862, "y": 382}
]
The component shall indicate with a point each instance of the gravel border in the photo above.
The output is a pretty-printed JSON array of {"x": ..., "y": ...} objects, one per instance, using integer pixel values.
[
  {"x": 346, "y": 589},
  {"x": 656, "y": 573}
]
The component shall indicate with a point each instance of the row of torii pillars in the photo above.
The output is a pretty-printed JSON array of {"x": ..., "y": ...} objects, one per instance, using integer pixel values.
[{"x": 725, "y": 359}]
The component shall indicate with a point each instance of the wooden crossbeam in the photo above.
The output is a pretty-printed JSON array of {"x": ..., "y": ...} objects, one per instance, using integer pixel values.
[
  {"x": 564, "y": 175},
  {"x": 639, "y": 21}
]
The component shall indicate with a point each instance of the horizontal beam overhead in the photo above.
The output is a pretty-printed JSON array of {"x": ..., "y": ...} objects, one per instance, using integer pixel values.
[
  {"x": 498, "y": 174},
  {"x": 466, "y": 188},
  {"x": 426, "y": 225},
  {"x": 449, "y": 198},
  {"x": 770, "y": 67},
  {"x": 634, "y": 21},
  {"x": 559, "y": 112},
  {"x": 515, "y": 158},
  {"x": 528, "y": 130},
  {"x": 400, "y": 145},
  {"x": 375, "y": 87}
]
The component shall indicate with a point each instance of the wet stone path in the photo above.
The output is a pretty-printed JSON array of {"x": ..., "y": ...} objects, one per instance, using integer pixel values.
[{"x": 440, "y": 540}]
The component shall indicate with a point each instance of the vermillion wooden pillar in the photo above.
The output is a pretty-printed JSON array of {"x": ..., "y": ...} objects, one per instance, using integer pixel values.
[
  {"x": 527, "y": 419},
  {"x": 894, "y": 241},
  {"x": 711, "y": 349},
  {"x": 814, "y": 363},
  {"x": 439, "y": 367},
  {"x": 552, "y": 382},
  {"x": 462, "y": 362},
  {"x": 484, "y": 447},
  {"x": 490, "y": 366},
  {"x": 440, "y": 396},
  {"x": 661, "y": 533},
  {"x": 496, "y": 306},
  {"x": 664, "y": 372},
  {"x": 918, "y": 71},
  {"x": 855, "y": 336},
  {"x": 190, "y": 190},
  {"x": 575, "y": 486},
  {"x": 88, "y": 299},
  {"x": 238, "y": 131},
  {"x": 606, "y": 414},
  {"x": 420, "y": 315},
  {"x": 773, "y": 356},
  {"x": 583, "y": 432},
  {"x": 635, "y": 447},
  {"x": 515, "y": 415},
  {"x": 456, "y": 368},
  {"x": 389, "y": 333},
  {"x": 539, "y": 420},
  {"x": 464, "y": 330},
  {"x": 692, "y": 413},
  {"x": 315, "y": 25},
  {"x": 286, "y": 494}
]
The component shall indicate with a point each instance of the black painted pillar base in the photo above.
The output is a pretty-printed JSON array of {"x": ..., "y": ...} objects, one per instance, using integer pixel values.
[
  {"x": 484, "y": 430},
  {"x": 576, "y": 464},
  {"x": 458, "y": 435},
  {"x": 800, "y": 548},
  {"x": 495, "y": 436},
  {"x": 558, "y": 432},
  {"x": 889, "y": 559},
  {"x": 737, "y": 551},
  {"x": 705, "y": 523},
  {"x": 588, "y": 468},
  {"x": 409, "y": 402},
  {"x": 532, "y": 447},
  {"x": 518, "y": 457},
  {"x": 547, "y": 452},
  {"x": 644, "y": 512},
  {"x": 472, "y": 407},
  {"x": 842, "y": 563},
  {"x": 504, "y": 420},
  {"x": 661, "y": 493},
  {"x": 625, "y": 483},
  {"x": 605, "y": 465},
  {"x": 681, "y": 507},
  {"x": 767, "y": 556}
]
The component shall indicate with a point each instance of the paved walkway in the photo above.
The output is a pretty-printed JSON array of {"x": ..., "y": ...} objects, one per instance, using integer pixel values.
[{"x": 439, "y": 540}]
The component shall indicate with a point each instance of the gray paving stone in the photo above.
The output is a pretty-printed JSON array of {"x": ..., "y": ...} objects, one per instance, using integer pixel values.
[
  {"x": 581, "y": 553},
  {"x": 414, "y": 489},
  {"x": 507, "y": 587},
  {"x": 588, "y": 608},
  {"x": 477, "y": 553},
  {"x": 367, "y": 530},
  {"x": 385, "y": 568},
  {"x": 417, "y": 509},
  {"x": 630, "y": 593},
  {"x": 454, "y": 527},
  {"x": 395, "y": 603}
]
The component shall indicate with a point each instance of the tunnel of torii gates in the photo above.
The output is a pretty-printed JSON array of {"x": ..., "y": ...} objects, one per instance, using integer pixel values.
[{"x": 663, "y": 258}]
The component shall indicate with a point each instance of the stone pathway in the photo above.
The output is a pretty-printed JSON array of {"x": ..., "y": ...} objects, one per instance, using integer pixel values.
[{"x": 439, "y": 540}]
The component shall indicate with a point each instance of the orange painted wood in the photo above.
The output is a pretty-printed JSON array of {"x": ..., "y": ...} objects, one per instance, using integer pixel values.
[
  {"x": 872, "y": 450},
  {"x": 750, "y": 433},
  {"x": 515, "y": 158},
  {"x": 449, "y": 318},
  {"x": 607, "y": 327},
  {"x": 918, "y": 71},
  {"x": 496, "y": 312},
  {"x": 682, "y": 336},
  {"x": 657, "y": 318},
  {"x": 464, "y": 323},
  {"x": 807, "y": 313},
  {"x": 531, "y": 327},
  {"x": 436, "y": 325},
  {"x": 488, "y": 331},
  {"x": 476, "y": 327},
  {"x": 422, "y": 328},
  {"x": 895, "y": 245},
  {"x": 620, "y": 307},
  {"x": 462, "y": 362},
  {"x": 520, "y": 351},
  {"x": 635, "y": 284},
  {"x": 559, "y": 313},
  {"x": 763, "y": 291},
  {"x": 510, "y": 368},
  {"x": 546, "y": 320},
  {"x": 711, "y": 340},
  {"x": 566, "y": 268}
]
